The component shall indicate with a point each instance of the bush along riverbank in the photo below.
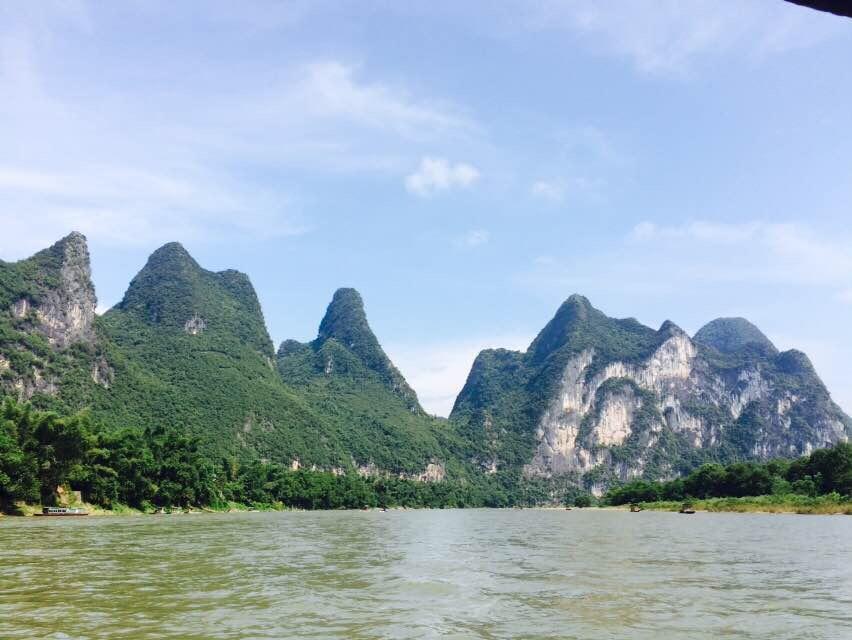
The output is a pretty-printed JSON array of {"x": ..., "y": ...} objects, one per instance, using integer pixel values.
[{"x": 820, "y": 483}]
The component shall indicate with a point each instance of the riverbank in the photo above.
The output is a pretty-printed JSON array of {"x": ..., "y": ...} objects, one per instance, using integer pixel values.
[
  {"x": 796, "y": 504},
  {"x": 29, "y": 510},
  {"x": 818, "y": 505}
]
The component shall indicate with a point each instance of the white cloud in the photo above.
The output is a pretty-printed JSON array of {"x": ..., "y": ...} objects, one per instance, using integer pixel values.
[
  {"x": 669, "y": 36},
  {"x": 473, "y": 238},
  {"x": 438, "y": 371},
  {"x": 439, "y": 174}
]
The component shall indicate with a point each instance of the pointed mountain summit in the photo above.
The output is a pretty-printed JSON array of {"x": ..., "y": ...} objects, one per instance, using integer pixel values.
[
  {"x": 346, "y": 345},
  {"x": 729, "y": 335},
  {"x": 173, "y": 291},
  {"x": 346, "y": 376},
  {"x": 577, "y": 325}
]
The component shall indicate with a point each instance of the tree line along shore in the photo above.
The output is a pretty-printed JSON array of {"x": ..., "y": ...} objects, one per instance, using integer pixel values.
[{"x": 46, "y": 457}]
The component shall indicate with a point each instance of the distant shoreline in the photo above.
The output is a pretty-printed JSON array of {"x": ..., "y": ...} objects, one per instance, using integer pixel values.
[
  {"x": 760, "y": 504},
  {"x": 798, "y": 505}
]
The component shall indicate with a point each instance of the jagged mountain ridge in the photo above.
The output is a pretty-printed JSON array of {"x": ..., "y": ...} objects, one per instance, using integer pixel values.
[
  {"x": 188, "y": 348},
  {"x": 594, "y": 399},
  {"x": 607, "y": 400}
]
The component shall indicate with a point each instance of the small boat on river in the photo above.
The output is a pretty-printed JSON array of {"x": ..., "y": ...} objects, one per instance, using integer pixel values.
[
  {"x": 686, "y": 508},
  {"x": 62, "y": 511},
  {"x": 635, "y": 508}
]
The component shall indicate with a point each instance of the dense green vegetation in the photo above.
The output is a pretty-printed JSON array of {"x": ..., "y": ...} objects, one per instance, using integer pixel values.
[
  {"x": 192, "y": 353},
  {"x": 824, "y": 472},
  {"x": 346, "y": 377},
  {"x": 41, "y": 451},
  {"x": 731, "y": 335}
]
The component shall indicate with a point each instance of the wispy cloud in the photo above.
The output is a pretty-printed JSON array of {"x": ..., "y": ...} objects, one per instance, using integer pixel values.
[
  {"x": 435, "y": 175},
  {"x": 128, "y": 207},
  {"x": 185, "y": 167},
  {"x": 330, "y": 89},
  {"x": 558, "y": 190},
  {"x": 550, "y": 190},
  {"x": 657, "y": 257},
  {"x": 669, "y": 36},
  {"x": 473, "y": 239},
  {"x": 755, "y": 251}
]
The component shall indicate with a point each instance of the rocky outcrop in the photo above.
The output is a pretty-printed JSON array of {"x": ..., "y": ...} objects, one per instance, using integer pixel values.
[
  {"x": 48, "y": 301},
  {"x": 195, "y": 325},
  {"x": 64, "y": 313},
  {"x": 67, "y": 312},
  {"x": 435, "y": 471},
  {"x": 102, "y": 373}
]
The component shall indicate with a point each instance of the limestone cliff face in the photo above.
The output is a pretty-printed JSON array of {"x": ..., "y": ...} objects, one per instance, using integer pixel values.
[
  {"x": 64, "y": 310},
  {"x": 608, "y": 400},
  {"x": 68, "y": 312},
  {"x": 48, "y": 303}
]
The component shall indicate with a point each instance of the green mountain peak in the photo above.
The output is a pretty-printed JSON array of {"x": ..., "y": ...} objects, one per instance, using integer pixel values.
[
  {"x": 345, "y": 346},
  {"x": 730, "y": 335},
  {"x": 172, "y": 291},
  {"x": 346, "y": 321}
]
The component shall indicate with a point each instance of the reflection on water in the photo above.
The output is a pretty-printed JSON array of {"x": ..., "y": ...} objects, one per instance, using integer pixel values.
[{"x": 427, "y": 574}]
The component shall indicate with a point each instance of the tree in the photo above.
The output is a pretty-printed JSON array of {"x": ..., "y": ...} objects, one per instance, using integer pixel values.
[{"x": 583, "y": 500}]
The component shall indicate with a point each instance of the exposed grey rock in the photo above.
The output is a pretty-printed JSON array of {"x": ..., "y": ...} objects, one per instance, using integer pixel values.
[
  {"x": 195, "y": 325},
  {"x": 102, "y": 373},
  {"x": 66, "y": 313}
]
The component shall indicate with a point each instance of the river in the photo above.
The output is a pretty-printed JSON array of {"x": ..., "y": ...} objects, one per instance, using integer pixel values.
[{"x": 427, "y": 574}]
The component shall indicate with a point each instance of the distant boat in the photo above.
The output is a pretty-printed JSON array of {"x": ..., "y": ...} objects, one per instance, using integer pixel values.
[
  {"x": 62, "y": 511},
  {"x": 686, "y": 508},
  {"x": 635, "y": 508}
]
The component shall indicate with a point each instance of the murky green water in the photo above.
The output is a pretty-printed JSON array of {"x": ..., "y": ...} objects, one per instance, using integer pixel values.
[{"x": 428, "y": 574}]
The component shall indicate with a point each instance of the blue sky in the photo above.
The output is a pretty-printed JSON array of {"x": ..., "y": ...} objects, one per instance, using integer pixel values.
[{"x": 466, "y": 166}]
